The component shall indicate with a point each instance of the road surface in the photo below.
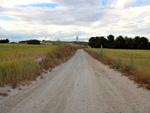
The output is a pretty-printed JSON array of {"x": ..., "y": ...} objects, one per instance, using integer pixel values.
[{"x": 82, "y": 85}]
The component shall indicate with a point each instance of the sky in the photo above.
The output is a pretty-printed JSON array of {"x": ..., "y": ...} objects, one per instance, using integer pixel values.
[{"x": 65, "y": 19}]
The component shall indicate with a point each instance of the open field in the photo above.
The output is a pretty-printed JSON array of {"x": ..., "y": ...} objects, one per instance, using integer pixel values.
[
  {"x": 18, "y": 62},
  {"x": 141, "y": 59},
  {"x": 15, "y": 52}
]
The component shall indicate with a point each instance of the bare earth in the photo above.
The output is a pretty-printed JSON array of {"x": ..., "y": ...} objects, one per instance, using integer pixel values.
[{"x": 82, "y": 85}]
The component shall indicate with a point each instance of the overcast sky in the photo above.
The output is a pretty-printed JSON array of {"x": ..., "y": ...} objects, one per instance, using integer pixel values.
[{"x": 66, "y": 19}]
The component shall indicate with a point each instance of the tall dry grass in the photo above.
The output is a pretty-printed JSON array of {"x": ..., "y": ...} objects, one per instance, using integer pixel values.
[{"x": 18, "y": 62}]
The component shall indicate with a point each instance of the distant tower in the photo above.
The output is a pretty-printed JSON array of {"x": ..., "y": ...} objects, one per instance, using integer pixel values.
[{"x": 77, "y": 38}]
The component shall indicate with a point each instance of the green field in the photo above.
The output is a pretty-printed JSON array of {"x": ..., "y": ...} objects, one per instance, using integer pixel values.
[
  {"x": 141, "y": 59},
  {"x": 17, "y": 61}
]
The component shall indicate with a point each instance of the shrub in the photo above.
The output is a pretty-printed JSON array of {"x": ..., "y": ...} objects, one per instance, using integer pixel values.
[{"x": 37, "y": 42}]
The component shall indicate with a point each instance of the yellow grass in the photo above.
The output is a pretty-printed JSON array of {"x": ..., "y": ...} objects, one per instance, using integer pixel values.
[
  {"x": 140, "y": 73},
  {"x": 17, "y": 61},
  {"x": 12, "y": 52},
  {"x": 141, "y": 58}
]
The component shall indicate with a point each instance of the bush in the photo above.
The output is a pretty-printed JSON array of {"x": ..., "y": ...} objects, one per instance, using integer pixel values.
[{"x": 37, "y": 42}]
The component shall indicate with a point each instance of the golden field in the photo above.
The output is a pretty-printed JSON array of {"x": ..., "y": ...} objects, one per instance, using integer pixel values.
[{"x": 17, "y": 61}]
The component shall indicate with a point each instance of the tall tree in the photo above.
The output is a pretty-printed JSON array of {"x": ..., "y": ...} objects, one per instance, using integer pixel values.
[
  {"x": 92, "y": 42},
  {"x": 143, "y": 43},
  {"x": 136, "y": 41},
  {"x": 128, "y": 43},
  {"x": 120, "y": 42},
  {"x": 111, "y": 41}
]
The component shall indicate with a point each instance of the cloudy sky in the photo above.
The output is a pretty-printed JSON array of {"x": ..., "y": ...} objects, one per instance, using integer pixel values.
[{"x": 66, "y": 19}]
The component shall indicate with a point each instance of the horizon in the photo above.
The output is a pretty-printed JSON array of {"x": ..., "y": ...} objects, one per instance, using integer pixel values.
[{"x": 64, "y": 19}]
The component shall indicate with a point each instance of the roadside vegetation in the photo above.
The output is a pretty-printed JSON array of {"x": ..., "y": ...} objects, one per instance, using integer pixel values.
[
  {"x": 133, "y": 63},
  {"x": 18, "y": 62}
]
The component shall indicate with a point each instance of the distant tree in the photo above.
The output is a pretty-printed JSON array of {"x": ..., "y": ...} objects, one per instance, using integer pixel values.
[
  {"x": 136, "y": 41},
  {"x": 92, "y": 42},
  {"x": 111, "y": 41},
  {"x": 23, "y": 42},
  {"x": 149, "y": 45},
  {"x": 96, "y": 42},
  {"x": 13, "y": 42},
  {"x": 4, "y": 41},
  {"x": 128, "y": 43},
  {"x": 120, "y": 42},
  {"x": 104, "y": 42},
  {"x": 143, "y": 43},
  {"x": 37, "y": 42}
]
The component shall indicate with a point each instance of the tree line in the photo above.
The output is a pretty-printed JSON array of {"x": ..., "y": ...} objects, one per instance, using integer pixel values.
[
  {"x": 120, "y": 42},
  {"x": 33, "y": 41},
  {"x": 4, "y": 41}
]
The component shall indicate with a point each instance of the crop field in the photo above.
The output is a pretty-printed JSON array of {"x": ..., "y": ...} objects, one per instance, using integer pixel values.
[
  {"x": 141, "y": 59},
  {"x": 17, "y": 61}
]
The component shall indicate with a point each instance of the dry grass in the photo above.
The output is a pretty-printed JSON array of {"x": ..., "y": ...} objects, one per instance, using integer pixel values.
[
  {"x": 18, "y": 62},
  {"x": 4, "y": 94},
  {"x": 61, "y": 55},
  {"x": 140, "y": 73}
]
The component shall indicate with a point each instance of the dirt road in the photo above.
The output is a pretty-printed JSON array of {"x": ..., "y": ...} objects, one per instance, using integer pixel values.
[{"x": 82, "y": 85}]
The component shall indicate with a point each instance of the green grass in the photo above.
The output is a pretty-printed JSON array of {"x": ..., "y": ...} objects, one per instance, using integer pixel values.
[{"x": 17, "y": 62}]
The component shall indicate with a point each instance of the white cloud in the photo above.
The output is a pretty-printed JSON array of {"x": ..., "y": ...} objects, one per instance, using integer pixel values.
[
  {"x": 11, "y": 3},
  {"x": 124, "y": 3},
  {"x": 84, "y": 18}
]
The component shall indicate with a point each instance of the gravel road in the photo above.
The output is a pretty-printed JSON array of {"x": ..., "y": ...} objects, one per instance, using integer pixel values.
[{"x": 82, "y": 85}]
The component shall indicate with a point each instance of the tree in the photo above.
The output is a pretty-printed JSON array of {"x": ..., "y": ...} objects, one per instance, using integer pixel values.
[
  {"x": 37, "y": 42},
  {"x": 143, "y": 43},
  {"x": 120, "y": 42},
  {"x": 128, "y": 43},
  {"x": 4, "y": 41},
  {"x": 96, "y": 42},
  {"x": 92, "y": 42},
  {"x": 111, "y": 41},
  {"x": 148, "y": 45},
  {"x": 104, "y": 42},
  {"x": 136, "y": 41}
]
